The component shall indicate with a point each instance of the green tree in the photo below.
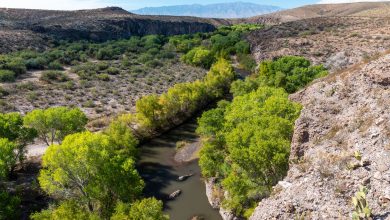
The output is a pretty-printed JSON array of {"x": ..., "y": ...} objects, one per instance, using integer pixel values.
[
  {"x": 122, "y": 136},
  {"x": 199, "y": 56},
  {"x": 246, "y": 145},
  {"x": 9, "y": 206},
  {"x": 15, "y": 137},
  {"x": 92, "y": 169},
  {"x": 289, "y": 72},
  {"x": 145, "y": 209},
  {"x": 148, "y": 111},
  {"x": 53, "y": 124},
  {"x": 240, "y": 87},
  {"x": 8, "y": 158},
  {"x": 68, "y": 210}
]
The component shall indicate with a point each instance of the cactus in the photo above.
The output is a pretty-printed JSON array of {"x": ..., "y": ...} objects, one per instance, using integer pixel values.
[{"x": 362, "y": 210}]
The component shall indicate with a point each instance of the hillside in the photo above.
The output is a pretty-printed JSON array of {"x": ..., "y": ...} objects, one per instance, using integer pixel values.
[
  {"x": 341, "y": 141},
  {"x": 336, "y": 42},
  {"x": 24, "y": 28},
  {"x": 361, "y": 9},
  {"x": 221, "y": 10}
]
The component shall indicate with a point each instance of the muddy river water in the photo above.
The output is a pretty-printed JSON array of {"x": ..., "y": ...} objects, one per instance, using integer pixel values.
[{"x": 160, "y": 172}]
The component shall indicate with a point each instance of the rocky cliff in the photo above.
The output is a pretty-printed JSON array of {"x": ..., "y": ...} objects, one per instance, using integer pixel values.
[
  {"x": 35, "y": 28},
  {"x": 341, "y": 141}
]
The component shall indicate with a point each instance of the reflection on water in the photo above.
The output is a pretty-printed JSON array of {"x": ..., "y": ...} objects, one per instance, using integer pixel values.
[{"x": 160, "y": 173}]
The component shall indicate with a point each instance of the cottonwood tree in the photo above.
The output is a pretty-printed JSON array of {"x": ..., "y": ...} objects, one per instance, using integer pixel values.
[
  {"x": 53, "y": 124},
  {"x": 93, "y": 170},
  {"x": 145, "y": 209}
]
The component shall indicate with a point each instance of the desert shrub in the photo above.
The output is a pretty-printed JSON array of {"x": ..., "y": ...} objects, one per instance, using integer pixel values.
[
  {"x": 165, "y": 54},
  {"x": 55, "y": 65},
  {"x": 103, "y": 77},
  {"x": 153, "y": 51},
  {"x": 7, "y": 76},
  {"x": 3, "y": 92},
  {"x": 152, "y": 41},
  {"x": 36, "y": 63},
  {"x": 54, "y": 76},
  {"x": 102, "y": 66},
  {"x": 113, "y": 71},
  {"x": 154, "y": 63},
  {"x": 143, "y": 58},
  {"x": 106, "y": 53},
  {"x": 16, "y": 65}
]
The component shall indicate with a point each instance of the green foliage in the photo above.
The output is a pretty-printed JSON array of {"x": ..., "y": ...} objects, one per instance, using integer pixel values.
[
  {"x": 51, "y": 75},
  {"x": 289, "y": 72},
  {"x": 101, "y": 172},
  {"x": 199, "y": 57},
  {"x": 246, "y": 62},
  {"x": 103, "y": 77},
  {"x": 16, "y": 65},
  {"x": 68, "y": 210},
  {"x": 155, "y": 112},
  {"x": 9, "y": 206},
  {"x": 53, "y": 124},
  {"x": 240, "y": 87},
  {"x": 145, "y": 209},
  {"x": 7, "y": 157},
  {"x": 7, "y": 76},
  {"x": 13, "y": 142},
  {"x": 246, "y": 144},
  {"x": 55, "y": 65},
  {"x": 113, "y": 71},
  {"x": 361, "y": 207}
]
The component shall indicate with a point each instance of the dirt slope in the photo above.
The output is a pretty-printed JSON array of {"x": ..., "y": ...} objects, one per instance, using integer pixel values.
[
  {"x": 360, "y": 9},
  {"x": 343, "y": 114}
]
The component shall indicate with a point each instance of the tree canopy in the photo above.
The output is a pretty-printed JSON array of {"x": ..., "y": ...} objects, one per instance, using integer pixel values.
[
  {"x": 53, "y": 124},
  {"x": 289, "y": 72},
  {"x": 99, "y": 173},
  {"x": 247, "y": 144},
  {"x": 145, "y": 209}
]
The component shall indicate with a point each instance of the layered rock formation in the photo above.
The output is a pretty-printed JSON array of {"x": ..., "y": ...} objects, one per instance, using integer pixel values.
[
  {"x": 34, "y": 28},
  {"x": 341, "y": 141}
]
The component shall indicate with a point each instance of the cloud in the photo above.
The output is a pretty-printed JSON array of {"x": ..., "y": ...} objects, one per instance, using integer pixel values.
[
  {"x": 347, "y": 1},
  {"x": 52, "y": 4}
]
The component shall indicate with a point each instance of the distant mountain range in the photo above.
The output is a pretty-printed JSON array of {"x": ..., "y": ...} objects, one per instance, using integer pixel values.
[{"x": 223, "y": 10}]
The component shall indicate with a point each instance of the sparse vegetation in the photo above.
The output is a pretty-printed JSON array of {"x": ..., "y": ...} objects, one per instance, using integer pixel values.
[{"x": 361, "y": 207}]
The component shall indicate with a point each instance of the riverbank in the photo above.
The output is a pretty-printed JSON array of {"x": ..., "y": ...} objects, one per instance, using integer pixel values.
[{"x": 161, "y": 172}]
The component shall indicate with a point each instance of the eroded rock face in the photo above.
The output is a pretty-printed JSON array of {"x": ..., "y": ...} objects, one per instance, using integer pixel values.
[
  {"x": 344, "y": 115},
  {"x": 35, "y": 27}
]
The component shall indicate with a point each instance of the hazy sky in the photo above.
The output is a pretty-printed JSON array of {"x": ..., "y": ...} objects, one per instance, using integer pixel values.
[{"x": 135, "y": 4}]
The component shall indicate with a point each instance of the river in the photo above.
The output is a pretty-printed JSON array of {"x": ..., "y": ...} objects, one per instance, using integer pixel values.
[{"x": 160, "y": 172}]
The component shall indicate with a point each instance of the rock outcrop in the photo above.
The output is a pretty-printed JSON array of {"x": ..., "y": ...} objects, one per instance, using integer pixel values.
[
  {"x": 38, "y": 26},
  {"x": 341, "y": 141}
]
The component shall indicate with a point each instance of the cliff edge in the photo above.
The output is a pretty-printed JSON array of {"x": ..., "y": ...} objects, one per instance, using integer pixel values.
[{"x": 341, "y": 142}]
